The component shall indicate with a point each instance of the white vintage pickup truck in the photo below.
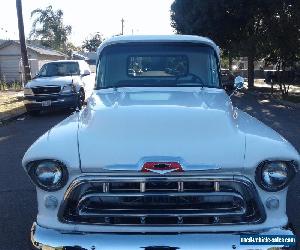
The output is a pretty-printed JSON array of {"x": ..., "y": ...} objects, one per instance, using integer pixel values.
[{"x": 159, "y": 159}]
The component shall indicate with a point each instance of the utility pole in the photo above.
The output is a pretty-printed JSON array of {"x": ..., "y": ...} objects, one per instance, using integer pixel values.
[
  {"x": 23, "y": 42},
  {"x": 122, "y": 21}
]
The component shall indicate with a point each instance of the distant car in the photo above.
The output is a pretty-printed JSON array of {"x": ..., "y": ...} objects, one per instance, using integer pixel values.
[
  {"x": 59, "y": 84},
  {"x": 227, "y": 79}
]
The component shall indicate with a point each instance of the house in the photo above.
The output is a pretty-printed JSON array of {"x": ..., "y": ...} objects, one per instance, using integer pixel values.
[
  {"x": 10, "y": 59},
  {"x": 89, "y": 57},
  {"x": 240, "y": 67}
]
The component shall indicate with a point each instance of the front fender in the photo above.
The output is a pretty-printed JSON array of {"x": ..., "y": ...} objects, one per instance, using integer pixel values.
[{"x": 60, "y": 143}]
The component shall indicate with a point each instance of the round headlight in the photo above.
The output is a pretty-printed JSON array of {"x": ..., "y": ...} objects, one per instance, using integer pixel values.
[
  {"x": 68, "y": 89},
  {"x": 274, "y": 175},
  {"x": 49, "y": 175}
]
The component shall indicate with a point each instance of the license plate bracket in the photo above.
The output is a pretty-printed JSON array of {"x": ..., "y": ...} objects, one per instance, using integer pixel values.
[{"x": 46, "y": 103}]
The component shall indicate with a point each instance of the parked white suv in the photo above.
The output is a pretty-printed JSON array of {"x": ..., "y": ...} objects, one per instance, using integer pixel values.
[
  {"x": 159, "y": 159},
  {"x": 59, "y": 84}
]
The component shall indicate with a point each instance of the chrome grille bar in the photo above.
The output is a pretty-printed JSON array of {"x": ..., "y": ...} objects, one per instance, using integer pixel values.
[
  {"x": 146, "y": 214},
  {"x": 145, "y": 194},
  {"x": 105, "y": 187}
]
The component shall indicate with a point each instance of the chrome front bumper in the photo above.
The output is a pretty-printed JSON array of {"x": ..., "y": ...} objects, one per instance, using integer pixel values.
[
  {"x": 49, "y": 239},
  {"x": 57, "y": 101}
]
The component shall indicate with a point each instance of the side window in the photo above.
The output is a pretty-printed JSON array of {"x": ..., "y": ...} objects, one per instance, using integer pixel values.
[
  {"x": 43, "y": 70},
  {"x": 215, "y": 81},
  {"x": 101, "y": 72}
]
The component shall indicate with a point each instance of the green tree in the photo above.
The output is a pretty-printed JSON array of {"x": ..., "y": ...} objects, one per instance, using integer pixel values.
[
  {"x": 70, "y": 48},
  {"x": 283, "y": 38},
  {"x": 48, "y": 27},
  {"x": 283, "y": 41},
  {"x": 91, "y": 44},
  {"x": 241, "y": 27},
  {"x": 206, "y": 18}
]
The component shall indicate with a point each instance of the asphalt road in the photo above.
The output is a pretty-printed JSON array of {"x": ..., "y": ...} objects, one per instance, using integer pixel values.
[{"x": 17, "y": 194}]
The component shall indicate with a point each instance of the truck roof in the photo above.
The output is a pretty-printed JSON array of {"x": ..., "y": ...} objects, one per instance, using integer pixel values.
[{"x": 158, "y": 38}]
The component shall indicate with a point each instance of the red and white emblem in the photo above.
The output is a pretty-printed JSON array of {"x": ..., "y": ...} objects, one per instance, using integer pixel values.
[{"x": 162, "y": 167}]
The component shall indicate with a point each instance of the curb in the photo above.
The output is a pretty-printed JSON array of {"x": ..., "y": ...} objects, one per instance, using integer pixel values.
[{"x": 12, "y": 117}]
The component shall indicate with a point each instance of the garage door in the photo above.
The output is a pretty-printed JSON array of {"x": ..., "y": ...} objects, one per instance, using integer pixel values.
[{"x": 9, "y": 68}]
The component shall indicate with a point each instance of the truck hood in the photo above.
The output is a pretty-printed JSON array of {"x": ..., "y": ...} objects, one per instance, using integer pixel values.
[
  {"x": 54, "y": 80},
  {"x": 122, "y": 129}
]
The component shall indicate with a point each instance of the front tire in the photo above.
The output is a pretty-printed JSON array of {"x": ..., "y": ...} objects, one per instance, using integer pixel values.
[{"x": 81, "y": 98}]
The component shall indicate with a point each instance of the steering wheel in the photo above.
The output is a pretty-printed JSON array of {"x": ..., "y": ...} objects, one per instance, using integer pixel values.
[{"x": 194, "y": 78}]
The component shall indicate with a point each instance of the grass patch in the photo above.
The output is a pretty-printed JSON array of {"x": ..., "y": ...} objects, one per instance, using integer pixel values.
[
  {"x": 11, "y": 104},
  {"x": 14, "y": 86}
]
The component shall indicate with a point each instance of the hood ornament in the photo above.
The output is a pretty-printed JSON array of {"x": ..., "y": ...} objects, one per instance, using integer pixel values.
[{"x": 162, "y": 167}]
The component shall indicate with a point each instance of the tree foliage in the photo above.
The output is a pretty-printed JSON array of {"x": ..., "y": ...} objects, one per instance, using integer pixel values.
[
  {"x": 91, "y": 44},
  {"x": 70, "y": 48},
  {"x": 255, "y": 29},
  {"x": 283, "y": 36},
  {"x": 48, "y": 27}
]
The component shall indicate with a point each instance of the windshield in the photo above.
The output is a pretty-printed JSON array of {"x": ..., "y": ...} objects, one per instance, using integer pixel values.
[
  {"x": 157, "y": 65},
  {"x": 59, "y": 69}
]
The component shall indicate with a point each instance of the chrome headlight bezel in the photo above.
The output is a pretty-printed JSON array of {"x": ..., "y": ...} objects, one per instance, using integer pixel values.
[
  {"x": 33, "y": 166},
  {"x": 288, "y": 168}
]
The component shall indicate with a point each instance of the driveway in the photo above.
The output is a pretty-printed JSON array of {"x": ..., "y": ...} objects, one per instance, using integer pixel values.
[{"x": 17, "y": 195}]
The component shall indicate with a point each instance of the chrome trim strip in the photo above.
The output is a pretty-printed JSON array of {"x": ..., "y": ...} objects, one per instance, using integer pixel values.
[
  {"x": 35, "y": 102},
  {"x": 171, "y": 194},
  {"x": 201, "y": 167},
  {"x": 140, "y": 177},
  {"x": 175, "y": 214}
]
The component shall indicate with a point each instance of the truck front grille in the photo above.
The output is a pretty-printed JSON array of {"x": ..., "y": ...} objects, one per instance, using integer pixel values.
[
  {"x": 45, "y": 90},
  {"x": 162, "y": 201}
]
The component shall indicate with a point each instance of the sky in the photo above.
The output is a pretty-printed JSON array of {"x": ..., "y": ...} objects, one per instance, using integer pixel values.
[{"x": 91, "y": 16}]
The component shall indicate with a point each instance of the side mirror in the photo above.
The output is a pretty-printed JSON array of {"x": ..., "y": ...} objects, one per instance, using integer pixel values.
[
  {"x": 86, "y": 72},
  {"x": 239, "y": 82}
]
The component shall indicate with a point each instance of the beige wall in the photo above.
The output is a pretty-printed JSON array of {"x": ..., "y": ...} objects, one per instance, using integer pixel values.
[
  {"x": 10, "y": 59},
  {"x": 9, "y": 68}
]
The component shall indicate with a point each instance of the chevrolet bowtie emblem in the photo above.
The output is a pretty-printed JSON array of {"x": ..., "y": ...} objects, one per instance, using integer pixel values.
[{"x": 162, "y": 167}]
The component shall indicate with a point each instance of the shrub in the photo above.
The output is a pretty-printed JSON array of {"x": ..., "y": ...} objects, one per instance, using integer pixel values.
[{"x": 10, "y": 86}]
